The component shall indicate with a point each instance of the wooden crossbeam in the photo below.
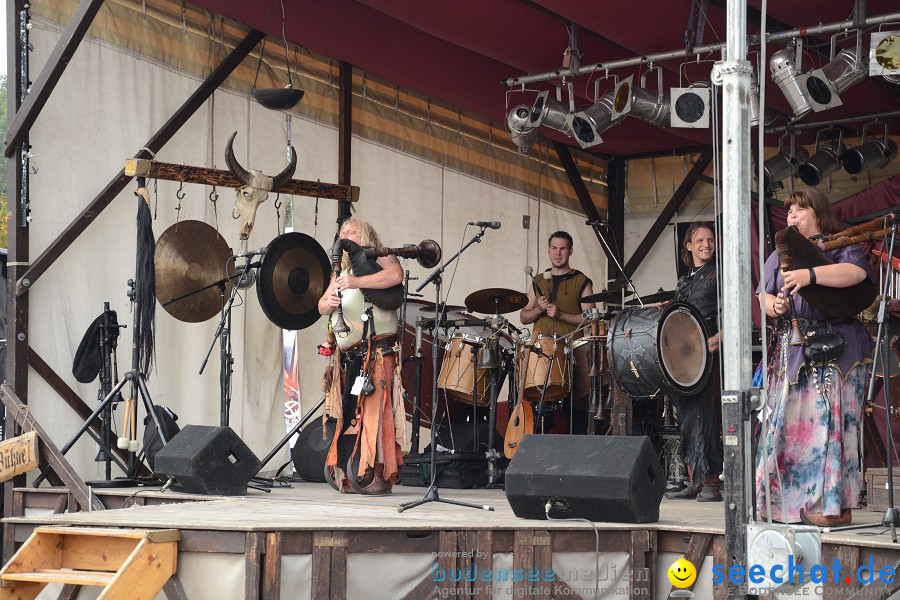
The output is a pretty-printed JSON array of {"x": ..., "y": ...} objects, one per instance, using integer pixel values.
[
  {"x": 141, "y": 167},
  {"x": 48, "y": 450}
]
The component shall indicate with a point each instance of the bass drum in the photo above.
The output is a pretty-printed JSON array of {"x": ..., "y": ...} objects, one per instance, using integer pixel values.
[{"x": 659, "y": 349}]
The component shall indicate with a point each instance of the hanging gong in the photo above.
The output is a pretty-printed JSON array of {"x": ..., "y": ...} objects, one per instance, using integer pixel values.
[
  {"x": 191, "y": 256},
  {"x": 293, "y": 276}
]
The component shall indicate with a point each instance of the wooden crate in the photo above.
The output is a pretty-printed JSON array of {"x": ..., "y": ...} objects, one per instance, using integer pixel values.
[{"x": 876, "y": 488}]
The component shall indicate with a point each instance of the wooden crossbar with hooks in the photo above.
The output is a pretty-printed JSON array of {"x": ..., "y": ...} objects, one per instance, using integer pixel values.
[{"x": 141, "y": 167}]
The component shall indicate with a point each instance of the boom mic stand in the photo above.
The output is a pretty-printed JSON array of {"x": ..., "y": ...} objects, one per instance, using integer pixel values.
[
  {"x": 891, "y": 518},
  {"x": 431, "y": 494},
  {"x": 223, "y": 334},
  {"x": 596, "y": 225}
]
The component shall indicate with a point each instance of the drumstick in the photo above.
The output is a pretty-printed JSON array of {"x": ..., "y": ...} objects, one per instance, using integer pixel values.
[{"x": 530, "y": 272}]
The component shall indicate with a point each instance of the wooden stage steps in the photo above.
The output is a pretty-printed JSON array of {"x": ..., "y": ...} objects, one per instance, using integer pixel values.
[{"x": 132, "y": 564}]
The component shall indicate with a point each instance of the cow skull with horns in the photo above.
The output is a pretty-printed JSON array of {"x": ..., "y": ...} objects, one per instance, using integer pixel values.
[{"x": 256, "y": 188}]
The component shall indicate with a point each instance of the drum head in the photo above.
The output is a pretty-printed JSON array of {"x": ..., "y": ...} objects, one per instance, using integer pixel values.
[{"x": 682, "y": 348}]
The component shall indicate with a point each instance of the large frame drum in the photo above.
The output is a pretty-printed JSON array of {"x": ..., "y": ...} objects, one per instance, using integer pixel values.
[{"x": 659, "y": 349}]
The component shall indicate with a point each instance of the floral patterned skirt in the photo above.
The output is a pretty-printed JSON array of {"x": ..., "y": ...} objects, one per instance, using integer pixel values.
[{"x": 811, "y": 449}]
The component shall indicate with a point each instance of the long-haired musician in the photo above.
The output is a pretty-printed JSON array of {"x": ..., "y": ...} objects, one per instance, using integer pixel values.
[
  {"x": 360, "y": 393},
  {"x": 810, "y": 454},
  {"x": 700, "y": 415}
]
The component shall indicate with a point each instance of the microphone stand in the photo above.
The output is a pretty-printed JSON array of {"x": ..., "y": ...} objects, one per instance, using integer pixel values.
[
  {"x": 431, "y": 494},
  {"x": 223, "y": 334},
  {"x": 596, "y": 225}
]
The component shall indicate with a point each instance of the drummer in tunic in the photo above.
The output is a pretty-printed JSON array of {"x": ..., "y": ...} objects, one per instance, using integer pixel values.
[
  {"x": 363, "y": 386},
  {"x": 700, "y": 415},
  {"x": 556, "y": 308}
]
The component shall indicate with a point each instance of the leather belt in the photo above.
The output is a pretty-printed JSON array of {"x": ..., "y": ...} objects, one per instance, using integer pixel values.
[{"x": 384, "y": 343}]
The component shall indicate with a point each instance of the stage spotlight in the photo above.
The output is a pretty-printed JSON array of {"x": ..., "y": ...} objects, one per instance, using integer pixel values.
[
  {"x": 785, "y": 76},
  {"x": 551, "y": 113},
  {"x": 623, "y": 98},
  {"x": 690, "y": 107},
  {"x": 884, "y": 55},
  {"x": 825, "y": 160},
  {"x": 522, "y": 134},
  {"x": 874, "y": 154},
  {"x": 824, "y": 86},
  {"x": 588, "y": 124},
  {"x": 651, "y": 106},
  {"x": 783, "y": 165}
]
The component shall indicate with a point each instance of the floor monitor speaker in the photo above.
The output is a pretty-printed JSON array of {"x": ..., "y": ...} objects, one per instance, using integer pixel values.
[{"x": 600, "y": 478}]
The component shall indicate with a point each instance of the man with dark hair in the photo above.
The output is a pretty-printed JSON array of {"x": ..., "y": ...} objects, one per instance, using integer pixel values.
[{"x": 555, "y": 307}]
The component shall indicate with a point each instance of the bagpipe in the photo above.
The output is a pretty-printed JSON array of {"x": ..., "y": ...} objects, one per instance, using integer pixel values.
[{"x": 795, "y": 251}]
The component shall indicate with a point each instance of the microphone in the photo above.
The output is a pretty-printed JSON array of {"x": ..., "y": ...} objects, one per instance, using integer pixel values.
[
  {"x": 488, "y": 224},
  {"x": 259, "y": 251}
]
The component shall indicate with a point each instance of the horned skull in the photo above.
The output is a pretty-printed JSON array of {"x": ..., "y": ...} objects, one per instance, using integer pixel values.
[{"x": 256, "y": 188}]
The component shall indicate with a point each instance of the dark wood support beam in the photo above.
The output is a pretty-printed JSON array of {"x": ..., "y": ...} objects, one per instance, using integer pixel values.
[
  {"x": 47, "y": 449},
  {"x": 643, "y": 565},
  {"x": 615, "y": 214},
  {"x": 584, "y": 196},
  {"x": 254, "y": 548},
  {"x": 142, "y": 167},
  {"x": 345, "y": 133},
  {"x": 154, "y": 144},
  {"x": 53, "y": 69},
  {"x": 695, "y": 553},
  {"x": 669, "y": 211}
]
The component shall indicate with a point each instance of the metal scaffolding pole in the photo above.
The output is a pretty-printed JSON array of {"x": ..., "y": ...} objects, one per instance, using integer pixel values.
[{"x": 734, "y": 76}]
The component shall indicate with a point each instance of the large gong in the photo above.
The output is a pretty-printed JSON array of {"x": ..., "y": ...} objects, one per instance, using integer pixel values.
[{"x": 293, "y": 276}]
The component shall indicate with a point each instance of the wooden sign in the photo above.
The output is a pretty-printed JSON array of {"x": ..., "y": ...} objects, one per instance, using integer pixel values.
[{"x": 18, "y": 455}]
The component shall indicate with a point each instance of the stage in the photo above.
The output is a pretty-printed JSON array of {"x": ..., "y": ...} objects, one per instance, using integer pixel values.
[{"x": 308, "y": 541}]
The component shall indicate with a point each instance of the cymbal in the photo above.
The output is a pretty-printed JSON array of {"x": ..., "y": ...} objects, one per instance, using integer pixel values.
[
  {"x": 496, "y": 300},
  {"x": 189, "y": 256},
  {"x": 660, "y": 296},
  {"x": 606, "y": 296},
  {"x": 293, "y": 276}
]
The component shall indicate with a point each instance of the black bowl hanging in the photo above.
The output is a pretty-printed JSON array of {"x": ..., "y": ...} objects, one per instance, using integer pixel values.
[{"x": 277, "y": 98}]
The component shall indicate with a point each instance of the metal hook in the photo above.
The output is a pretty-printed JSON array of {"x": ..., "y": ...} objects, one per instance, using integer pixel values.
[
  {"x": 213, "y": 196},
  {"x": 278, "y": 202},
  {"x": 180, "y": 193}
]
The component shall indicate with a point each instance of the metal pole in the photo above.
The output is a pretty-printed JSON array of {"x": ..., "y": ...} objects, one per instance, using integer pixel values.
[
  {"x": 734, "y": 76},
  {"x": 675, "y": 54}
]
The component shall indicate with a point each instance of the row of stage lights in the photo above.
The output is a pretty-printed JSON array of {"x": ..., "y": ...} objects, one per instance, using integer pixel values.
[
  {"x": 817, "y": 90},
  {"x": 830, "y": 155}
]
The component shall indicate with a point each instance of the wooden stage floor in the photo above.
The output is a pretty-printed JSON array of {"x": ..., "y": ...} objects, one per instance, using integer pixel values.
[{"x": 309, "y": 537}]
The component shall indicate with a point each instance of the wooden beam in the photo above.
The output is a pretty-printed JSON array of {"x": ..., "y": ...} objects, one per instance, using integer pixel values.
[
  {"x": 668, "y": 211},
  {"x": 120, "y": 180},
  {"x": 53, "y": 69},
  {"x": 643, "y": 564},
  {"x": 321, "y": 565},
  {"x": 695, "y": 553},
  {"x": 584, "y": 196},
  {"x": 142, "y": 167},
  {"x": 272, "y": 566},
  {"x": 615, "y": 216},
  {"x": 47, "y": 449},
  {"x": 254, "y": 547}
]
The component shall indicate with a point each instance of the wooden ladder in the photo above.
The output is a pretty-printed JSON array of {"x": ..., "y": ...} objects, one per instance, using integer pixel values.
[{"x": 128, "y": 564}]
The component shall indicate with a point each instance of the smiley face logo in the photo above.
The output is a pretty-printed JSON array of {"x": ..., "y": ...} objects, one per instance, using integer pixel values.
[{"x": 682, "y": 573}]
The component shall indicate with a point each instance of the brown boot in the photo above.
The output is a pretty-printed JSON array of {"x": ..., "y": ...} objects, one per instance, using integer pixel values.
[
  {"x": 379, "y": 486},
  {"x": 823, "y": 520}
]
